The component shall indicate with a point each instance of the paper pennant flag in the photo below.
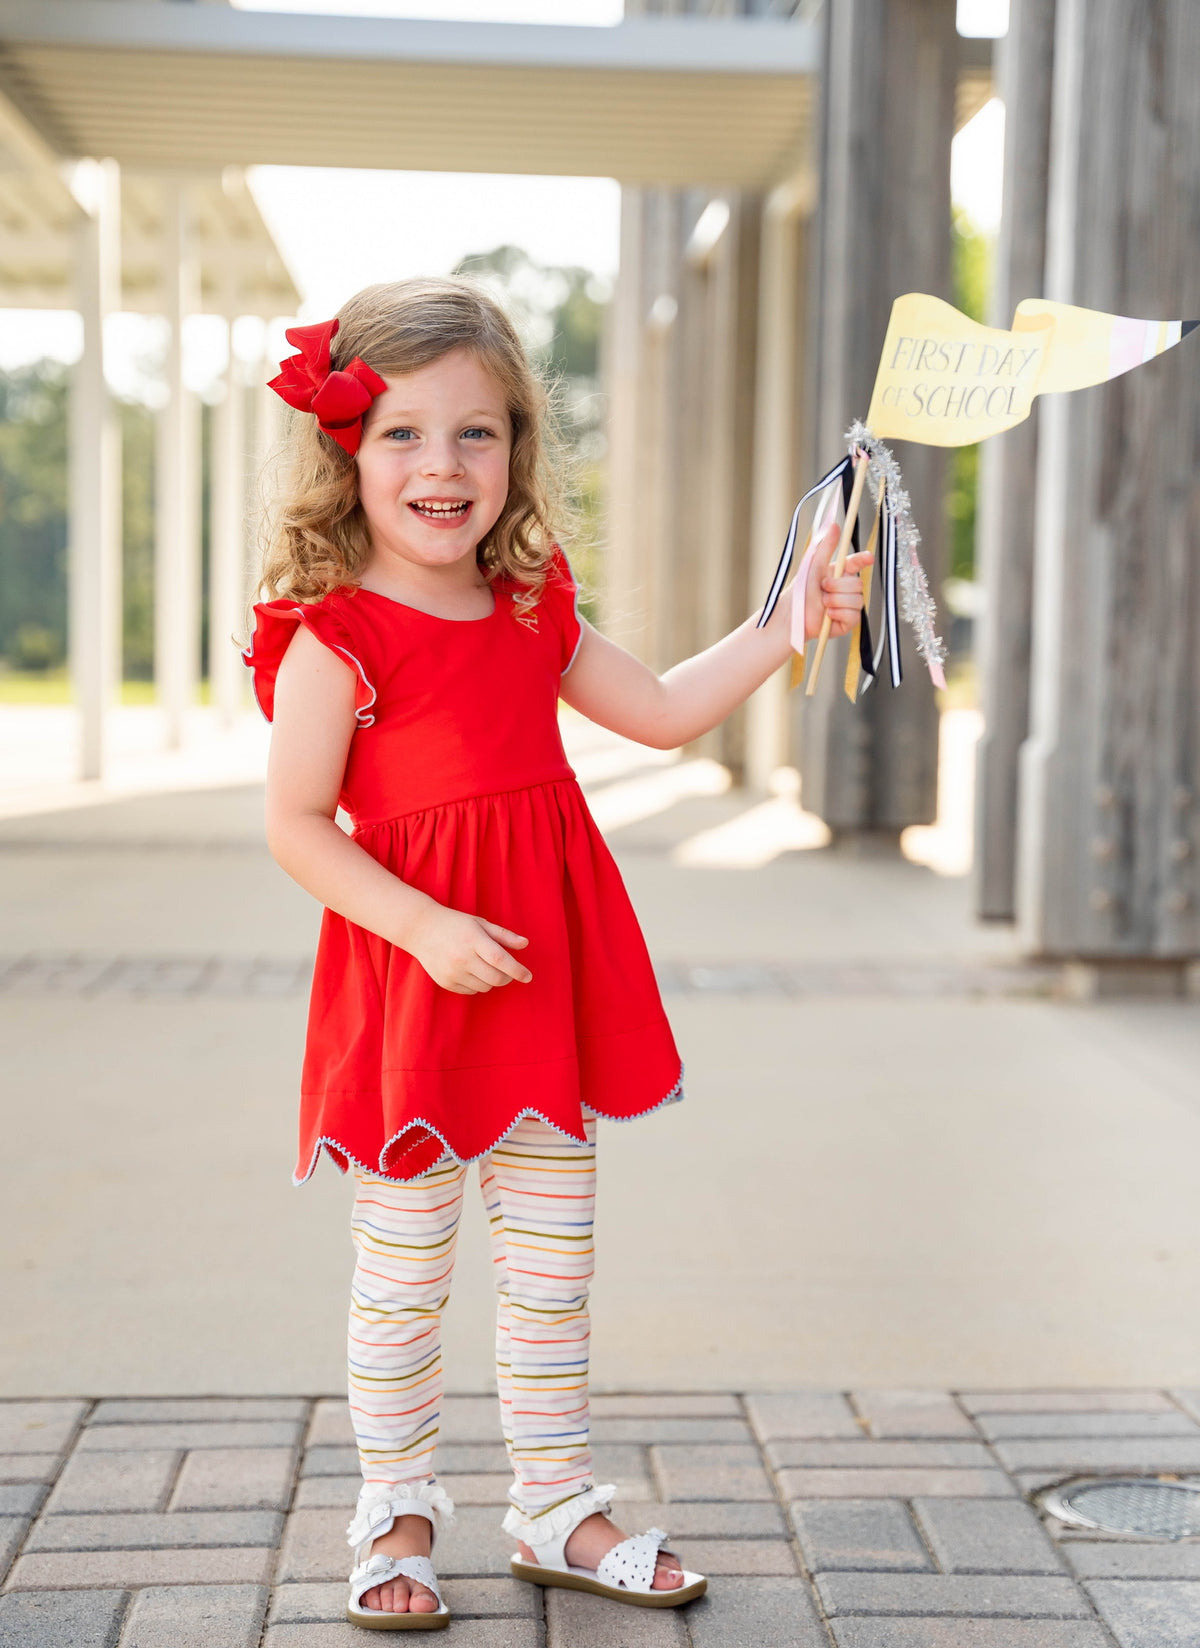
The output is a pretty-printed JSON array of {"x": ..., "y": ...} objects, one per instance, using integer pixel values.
[{"x": 944, "y": 380}]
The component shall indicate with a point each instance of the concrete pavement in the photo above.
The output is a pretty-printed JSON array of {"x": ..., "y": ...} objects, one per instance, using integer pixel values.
[
  {"x": 900, "y": 1159},
  {"x": 872, "y": 1518}
]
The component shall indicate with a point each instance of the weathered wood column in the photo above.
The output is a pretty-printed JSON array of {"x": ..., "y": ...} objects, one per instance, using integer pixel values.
[
  {"x": 625, "y": 614},
  {"x": 644, "y": 608},
  {"x": 1109, "y": 809},
  {"x": 680, "y": 370},
  {"x": 782, "y": 445},
  {"x": 721, "y": 288},
  {"x": 1006, "y": 519},
  {"x": 884, "y": 226}
]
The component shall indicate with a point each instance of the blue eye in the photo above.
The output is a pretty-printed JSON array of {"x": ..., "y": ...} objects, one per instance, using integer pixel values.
[
  {"x": 476, "y": 429},
  {"x": 392, "y": 432}
]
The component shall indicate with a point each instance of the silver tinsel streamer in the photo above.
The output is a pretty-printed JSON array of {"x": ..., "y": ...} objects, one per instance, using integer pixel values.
[{"x": 917, "y": 606}]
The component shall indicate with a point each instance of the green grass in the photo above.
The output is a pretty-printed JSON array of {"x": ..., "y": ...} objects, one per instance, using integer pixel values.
[{"x": 54, "y": 687}]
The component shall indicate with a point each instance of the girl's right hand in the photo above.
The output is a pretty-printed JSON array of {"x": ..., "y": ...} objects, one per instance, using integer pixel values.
[{"x": 466, "y": 954}]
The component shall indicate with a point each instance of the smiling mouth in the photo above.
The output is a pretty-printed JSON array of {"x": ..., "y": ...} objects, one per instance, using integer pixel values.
[{"x": 435, "y": 510}]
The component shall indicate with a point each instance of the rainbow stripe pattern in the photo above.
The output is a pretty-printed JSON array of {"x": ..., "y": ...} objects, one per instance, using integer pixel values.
[{"x": 538, "y": 1189}]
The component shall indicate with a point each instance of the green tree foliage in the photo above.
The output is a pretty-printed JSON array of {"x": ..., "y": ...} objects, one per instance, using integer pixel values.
[
  {"x": 33, "y": 523},
  {"x": 559, "y": 313},
  {"x": 578, "y": 322},
  {"x": 137, "y": 536},
  {"x": 972, "y": 272},
  {"x": 33, "y": 515}
]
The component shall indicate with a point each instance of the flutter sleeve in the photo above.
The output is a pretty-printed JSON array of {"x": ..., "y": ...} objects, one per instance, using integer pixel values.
[
  {"x": 561, "y": 595},
  {"x": 276, "y": 622}
]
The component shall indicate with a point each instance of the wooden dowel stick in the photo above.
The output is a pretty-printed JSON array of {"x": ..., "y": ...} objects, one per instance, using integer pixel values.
[{"x": 839, "y": 566}]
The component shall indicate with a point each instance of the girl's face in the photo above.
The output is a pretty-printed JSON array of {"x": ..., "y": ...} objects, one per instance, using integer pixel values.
[{"x": 433, "y": 463}]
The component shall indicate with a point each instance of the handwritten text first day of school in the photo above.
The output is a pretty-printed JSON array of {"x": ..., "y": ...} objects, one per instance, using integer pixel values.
[{"x": 951, "y": 391}]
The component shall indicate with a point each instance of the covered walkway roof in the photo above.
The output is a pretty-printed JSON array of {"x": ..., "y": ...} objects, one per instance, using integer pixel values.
[
  {"x": 716, "y": 102},
  {"x": 663, "y": 100},
  {"x": 239, "y": 268}
]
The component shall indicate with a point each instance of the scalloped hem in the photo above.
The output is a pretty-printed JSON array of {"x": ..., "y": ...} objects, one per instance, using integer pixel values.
[
  {"x": 673, "y": 1097},
  {"x": 328, "y": 1145}
]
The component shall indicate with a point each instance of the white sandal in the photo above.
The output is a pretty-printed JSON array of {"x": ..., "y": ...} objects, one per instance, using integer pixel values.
[
  {"x": 378, "y": 1508},
  {"x": 626, "y": 1573}
]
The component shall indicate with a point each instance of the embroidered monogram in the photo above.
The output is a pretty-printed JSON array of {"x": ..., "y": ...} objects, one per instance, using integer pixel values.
[{"x": 525, "y": 615}]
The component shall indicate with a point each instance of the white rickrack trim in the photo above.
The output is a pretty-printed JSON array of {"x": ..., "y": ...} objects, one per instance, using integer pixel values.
[
  {"x": 361, "y": 713},
  {"x": 554, "y": 1525},
  {"x": 378, "y": 1171},
  {"x": 329, "y": 1144},
  {"x": 673, "y": 1097},
  {"x": 377, "y": 1502}
]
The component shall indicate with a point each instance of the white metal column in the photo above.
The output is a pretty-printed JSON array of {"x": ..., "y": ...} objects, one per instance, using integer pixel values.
[
  {"x": 227, "y": 587},
  {"x": 94, "y": 557},
  {"x": 177, "y": 539}
]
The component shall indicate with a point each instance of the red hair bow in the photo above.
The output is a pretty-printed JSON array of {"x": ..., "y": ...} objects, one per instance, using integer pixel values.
[{"x": 338, "y": 399}]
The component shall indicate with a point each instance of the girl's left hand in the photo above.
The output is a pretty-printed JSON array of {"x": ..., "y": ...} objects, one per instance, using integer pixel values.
[{"x": 841, "y": 598}]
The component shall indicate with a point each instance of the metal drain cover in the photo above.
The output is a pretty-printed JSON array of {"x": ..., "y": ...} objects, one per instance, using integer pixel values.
[{"x": 1143, "y": 1505}]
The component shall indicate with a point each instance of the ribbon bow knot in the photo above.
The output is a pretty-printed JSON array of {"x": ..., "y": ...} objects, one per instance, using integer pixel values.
[{"x": 339, "y": 398}]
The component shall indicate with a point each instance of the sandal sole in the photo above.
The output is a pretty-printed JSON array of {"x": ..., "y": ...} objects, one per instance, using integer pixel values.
[
  {"x": 373, "y": 1620},
  {"x": 638, "y": 1599}
]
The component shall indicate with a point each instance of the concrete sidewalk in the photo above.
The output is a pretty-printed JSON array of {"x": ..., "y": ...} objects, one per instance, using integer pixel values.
[
  {"x": 824, "y": 1519},
  {"x": 899, "y": 1161}
]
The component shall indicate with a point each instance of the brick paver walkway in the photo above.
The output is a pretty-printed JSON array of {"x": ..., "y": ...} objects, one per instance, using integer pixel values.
[{"x": 867, "y": 1519}]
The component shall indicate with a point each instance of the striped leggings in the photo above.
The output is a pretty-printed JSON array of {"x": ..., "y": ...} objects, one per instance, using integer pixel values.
[{"x": 538, "y": 1191}]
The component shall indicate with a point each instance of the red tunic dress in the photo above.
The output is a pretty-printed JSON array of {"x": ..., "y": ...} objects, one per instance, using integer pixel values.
[{"x": 457, "y": 782}]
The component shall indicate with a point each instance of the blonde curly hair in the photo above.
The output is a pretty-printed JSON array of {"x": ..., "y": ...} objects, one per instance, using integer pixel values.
[{"x": 317, "y": 537}]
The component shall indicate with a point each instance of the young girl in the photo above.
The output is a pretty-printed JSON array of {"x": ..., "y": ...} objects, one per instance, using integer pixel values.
[{"x": 482, "y": 990}]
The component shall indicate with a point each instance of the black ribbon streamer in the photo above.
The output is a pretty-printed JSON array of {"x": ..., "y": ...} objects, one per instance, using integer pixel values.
[
  {"x": 785, "y": 560},
  {"x": 870, "y": 656},
  {"x": 893, "y": 606},
  {"x": 889, "y": 611},
  {"x": 866, "y": 651}
]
